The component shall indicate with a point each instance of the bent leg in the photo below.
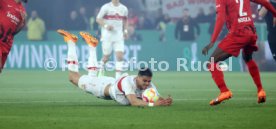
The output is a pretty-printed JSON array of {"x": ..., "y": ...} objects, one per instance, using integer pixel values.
[
  {"x": 98, "y": 86},
  {"x": 106, "y": 49},
  {"x": 217, "y": 74},
  {"x": 119, "y": 49},
  {"x": 119, "y": 64},
  {"x": 255, "y": 74},
  {"x": 253, "y": 70}
]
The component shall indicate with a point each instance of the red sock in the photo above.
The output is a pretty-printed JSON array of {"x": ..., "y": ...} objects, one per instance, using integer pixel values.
[
  {"x": 218, "y": 77},
  {"x": 255, "y": 73}
]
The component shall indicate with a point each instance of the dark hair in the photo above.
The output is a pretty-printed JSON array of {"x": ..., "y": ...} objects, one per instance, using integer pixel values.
[{"x": 145, "y": 72}]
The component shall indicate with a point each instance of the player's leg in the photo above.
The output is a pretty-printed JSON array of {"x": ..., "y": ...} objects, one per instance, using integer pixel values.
[
  {"x": 98, "y": 86},
  {"x": 255, "y": 74},
  {"x": 106, "y": 49},
  {"x": 72, "y": 58},
  {"x": 217, "y": 75},
  {"x": 119, "y": 49},
  {"x": 92, "y": 60},
  {"x": 272, "y": 44},
  {"x": 3, "y": 59}
]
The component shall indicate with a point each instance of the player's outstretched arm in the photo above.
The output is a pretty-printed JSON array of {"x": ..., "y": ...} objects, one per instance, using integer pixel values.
[
  {"x": 134, "y": 101},
  {"x": 263, "y": 12},
  {"x": 267, "y": 5},
  {"x": 220, "y": 20}
]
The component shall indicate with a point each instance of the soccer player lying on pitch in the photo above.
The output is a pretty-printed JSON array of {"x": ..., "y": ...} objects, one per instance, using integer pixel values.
[
  {"x": 242, "y": 36},
  {"x": 126, "y": 90}
]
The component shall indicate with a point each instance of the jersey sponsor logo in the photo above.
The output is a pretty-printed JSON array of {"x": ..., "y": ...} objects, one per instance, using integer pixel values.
[
  {"x": 9, "y": 6},
  {"x": 114, "y": 17},
  {"x": 217, "y": 6},
  {"x": 244, "y": 19},
  {"x": 15, "y": 19}
]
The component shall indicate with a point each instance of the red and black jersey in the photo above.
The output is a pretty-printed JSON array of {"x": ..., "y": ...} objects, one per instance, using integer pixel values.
[
  {"x": 11, "y": 19},
  {"x": 236, "y": 14}
]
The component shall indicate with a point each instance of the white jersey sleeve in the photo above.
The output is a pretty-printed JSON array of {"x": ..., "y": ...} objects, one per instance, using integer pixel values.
[{"x": 102, "y": 12}]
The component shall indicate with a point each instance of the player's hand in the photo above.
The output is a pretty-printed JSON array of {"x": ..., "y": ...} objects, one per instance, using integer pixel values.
[
  {"x": 207, "y": 48},
  {"x": 169, "y": 100},
  {"x": 164, "y": 101},
  {"x": 274, "y": 21}
]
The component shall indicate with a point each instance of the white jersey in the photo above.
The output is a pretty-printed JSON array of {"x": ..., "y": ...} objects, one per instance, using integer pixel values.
[
  {"x": 124, "y": 86},
  {"x": 113, "y": 16}
]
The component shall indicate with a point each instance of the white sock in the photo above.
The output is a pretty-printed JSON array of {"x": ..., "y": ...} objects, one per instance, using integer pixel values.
[
  {"x": 72, "y": 58},
  {"x": 92, "y": 62},
  {"x": 194, "y": 51},
  {"x": 119, "y": 68}
]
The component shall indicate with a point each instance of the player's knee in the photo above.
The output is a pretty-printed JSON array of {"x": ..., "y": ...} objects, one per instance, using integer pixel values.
[
  {"x": 247, "y": 57},
  {"x": 74, "y": 78},
  {"x": 71, "y": 79}
]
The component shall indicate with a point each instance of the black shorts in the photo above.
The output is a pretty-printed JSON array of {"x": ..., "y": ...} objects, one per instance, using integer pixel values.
[{"x": 272, "y": 44}]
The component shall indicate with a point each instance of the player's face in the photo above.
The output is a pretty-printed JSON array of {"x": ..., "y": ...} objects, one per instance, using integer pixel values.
[{"x": 143, "y": 82}]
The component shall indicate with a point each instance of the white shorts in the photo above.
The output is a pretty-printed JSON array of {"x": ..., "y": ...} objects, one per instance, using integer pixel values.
[
  {"x": 119, "y": 98},
  {"x": 95, "y": 85},
  {"x": 118, "y": 46}
]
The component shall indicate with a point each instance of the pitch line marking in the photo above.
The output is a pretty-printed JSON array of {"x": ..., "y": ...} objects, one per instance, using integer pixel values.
[{"x": 177, "y": 99}]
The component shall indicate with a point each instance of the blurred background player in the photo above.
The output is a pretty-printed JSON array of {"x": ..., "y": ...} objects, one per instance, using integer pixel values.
[
  {"x": 271, "y": 27},
  {"x": 126, "y": 90},
  {"x": 12, "y": 20},
  {"x": 113, "y": 20},
  {"x": 242, "y": 35}
]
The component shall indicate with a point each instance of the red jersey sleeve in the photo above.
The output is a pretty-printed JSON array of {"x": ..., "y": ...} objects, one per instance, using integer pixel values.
[
  {"x": 220, "y": 20},
  {"x": 267, "y": 5}
]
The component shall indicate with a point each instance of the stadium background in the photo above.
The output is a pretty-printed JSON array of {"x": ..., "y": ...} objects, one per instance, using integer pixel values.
[
  {"x": 28, "y": 54},
  {"x": 32, "y": 97}
]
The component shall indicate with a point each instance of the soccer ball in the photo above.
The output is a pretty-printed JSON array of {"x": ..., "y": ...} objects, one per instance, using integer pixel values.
[{"x": 150, "y": 95}]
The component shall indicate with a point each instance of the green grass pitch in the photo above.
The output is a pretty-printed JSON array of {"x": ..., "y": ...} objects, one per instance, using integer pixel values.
[{"x": 46, "y": 100}]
